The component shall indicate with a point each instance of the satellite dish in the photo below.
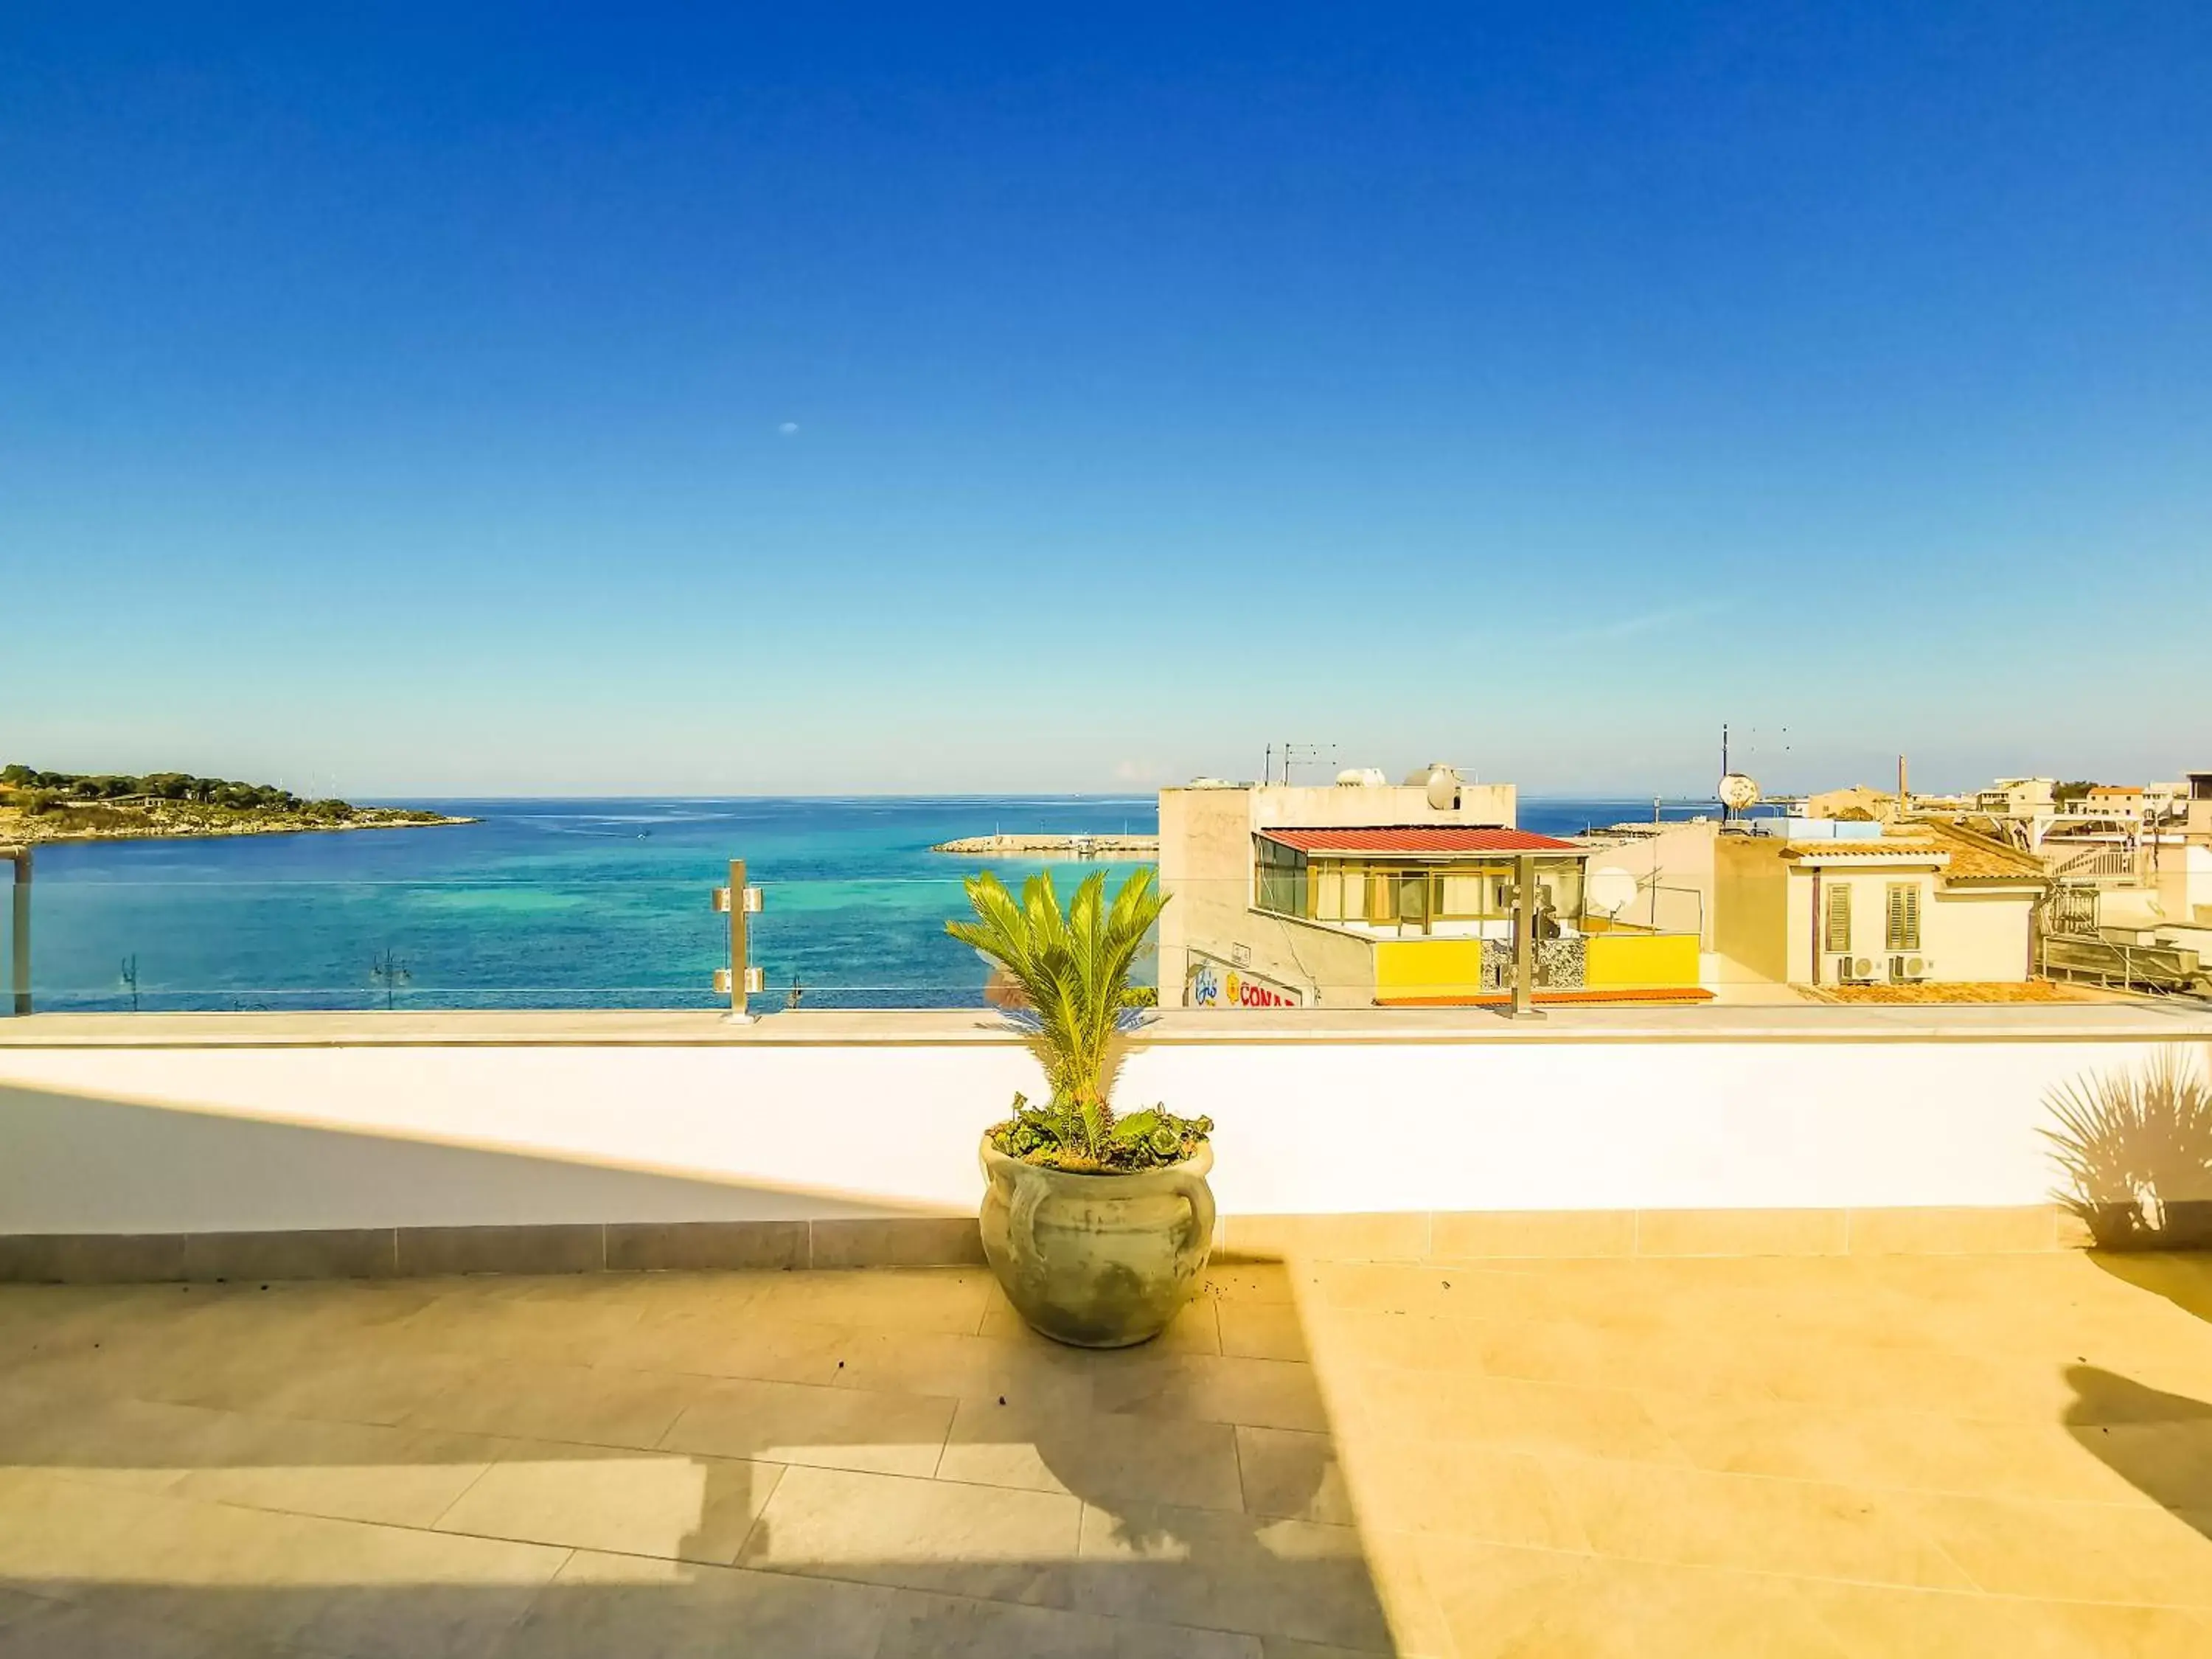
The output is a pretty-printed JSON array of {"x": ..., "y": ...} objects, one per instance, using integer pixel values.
[
  {"x": 1442, "y": 786},
  {"x": 1738, "y": 793},
  {"x": 1609, "y": 891}
]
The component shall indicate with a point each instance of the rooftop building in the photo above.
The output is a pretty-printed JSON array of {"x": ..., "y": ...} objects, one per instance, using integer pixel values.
[{"x": 1361, "y": 894}]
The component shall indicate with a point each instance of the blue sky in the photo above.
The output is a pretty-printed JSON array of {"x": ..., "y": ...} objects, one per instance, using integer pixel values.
[{"x": 538, "y": 399}]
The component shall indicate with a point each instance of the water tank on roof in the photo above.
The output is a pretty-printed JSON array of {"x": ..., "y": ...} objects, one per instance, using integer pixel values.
[
  {"x": 1442, "y": 783},
  {"x": 1362, "y": 777}
]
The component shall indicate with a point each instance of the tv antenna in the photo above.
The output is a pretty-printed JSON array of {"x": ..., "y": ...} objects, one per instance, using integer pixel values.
[{"x": 1307, "y": 754}]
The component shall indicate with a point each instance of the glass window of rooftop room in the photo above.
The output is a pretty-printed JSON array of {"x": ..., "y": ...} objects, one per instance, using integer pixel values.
[
  {"x": 1282, "y": 879},
  {"x": 1413, "y": 897},
  {"x": 1465, "y": 894},
  {"x": 1331, "y": 881}
]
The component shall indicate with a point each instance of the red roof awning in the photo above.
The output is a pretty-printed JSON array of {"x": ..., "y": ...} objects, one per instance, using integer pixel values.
[{"x": 1421, "y": 839}]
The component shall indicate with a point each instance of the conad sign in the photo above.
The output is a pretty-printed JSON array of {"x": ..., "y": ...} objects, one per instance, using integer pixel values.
[{"x": 1217, "y": 985}]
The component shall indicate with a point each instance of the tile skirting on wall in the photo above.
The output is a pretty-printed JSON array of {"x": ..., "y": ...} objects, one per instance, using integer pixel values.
[{"x": 936, "y": 1240}]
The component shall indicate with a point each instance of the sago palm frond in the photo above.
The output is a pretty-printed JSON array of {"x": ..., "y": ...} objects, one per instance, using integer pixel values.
[{"x": 1072, "y": 967}]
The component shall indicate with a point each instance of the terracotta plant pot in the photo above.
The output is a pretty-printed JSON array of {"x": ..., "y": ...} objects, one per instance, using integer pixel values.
[{"x": 1098, "y": 1261}]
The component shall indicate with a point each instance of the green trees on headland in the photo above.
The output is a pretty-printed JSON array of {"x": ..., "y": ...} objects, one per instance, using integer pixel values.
[{"x": 165, "y": 785}]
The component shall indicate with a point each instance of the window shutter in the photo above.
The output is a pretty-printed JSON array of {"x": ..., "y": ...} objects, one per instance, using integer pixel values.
[
  {"x": 1839, "y": 918},
  {"x": 1902, "y": 931}
]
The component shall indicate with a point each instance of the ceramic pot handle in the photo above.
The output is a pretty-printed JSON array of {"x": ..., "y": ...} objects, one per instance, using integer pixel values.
[{"x": 1193, "y": 1191}]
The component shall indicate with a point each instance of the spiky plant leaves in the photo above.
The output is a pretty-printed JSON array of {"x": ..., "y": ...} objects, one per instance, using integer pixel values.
[{"x": 1071, "y": 968}]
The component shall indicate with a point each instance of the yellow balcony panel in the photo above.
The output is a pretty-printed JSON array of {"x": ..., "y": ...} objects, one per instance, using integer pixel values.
[{"x": 1618, "y": 960}]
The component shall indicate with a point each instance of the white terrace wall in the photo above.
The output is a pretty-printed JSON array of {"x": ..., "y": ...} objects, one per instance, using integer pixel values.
[{"x": 103, "y": 1139}]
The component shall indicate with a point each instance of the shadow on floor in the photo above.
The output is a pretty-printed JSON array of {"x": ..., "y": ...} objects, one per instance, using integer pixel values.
[
  {"x": 405, "y": 1468},
  {"x": 2160, "y": 1442},
  {"x": 2182, "y": 1278}
]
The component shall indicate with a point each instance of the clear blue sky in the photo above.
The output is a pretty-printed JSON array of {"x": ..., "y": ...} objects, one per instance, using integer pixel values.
[{"x": 545, "y": 399}]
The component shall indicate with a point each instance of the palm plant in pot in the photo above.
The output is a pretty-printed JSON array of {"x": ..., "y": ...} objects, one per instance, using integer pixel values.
[{"x": 1096, "y": 1224}]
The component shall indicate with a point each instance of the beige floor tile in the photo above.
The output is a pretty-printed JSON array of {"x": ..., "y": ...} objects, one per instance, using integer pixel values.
[
  {"x": 828, "y": 1428},
  {"x": 2100, "y": 1631},
  {"x": 1490, "y": 1291},
  {"x": 1262, "y": 1330},
  {"x": 1273, "y": 1393},
  {"x": 1920, "y": 1450},
  {"x": 1028, "y": 1372},
  {"x": 1512, "y": 1414},
  {"x": 741, "y": 1342},
  {"x": 1294, "y": 1474},
  {"x": 1869, "y": 1378},
  {"x": 355, "y": 1381},
  {"x": 345, "y": 1471},
  {"x": 525, "y": 1329},
  {"x": 145, "y": 1444},
  {"x": 590, "y": 1404},
  {"x": 1693, "y": 1517},
  {"x": 1244, "y": 1573},
  {"x": 199, "y": 1462},
  {"x": 1099, "y": 1457},
  {"x": 56, "y": 1531},
  {"x": 2074, "y": 1552},
  {"x": 386, "y": 1593},
  {"x": 921, "y": 1624},
  {"x": 684, "y": 1508},
  {"x": 252, "y": 1577},
  {"x": 1468, "y": 1490},
  {"x": 989, "y": 1542},
  {"x": 1250, "y": 1281},
  {"x": 1363, "y": 1339},
  {"x": 91, "y": 1630},
  {"x": 1872, "y": 1621},
  {"x": 1535, "y": 1604},
  {"x": 612, "y": 1606},
  {"x": 885, "y": 1298}
]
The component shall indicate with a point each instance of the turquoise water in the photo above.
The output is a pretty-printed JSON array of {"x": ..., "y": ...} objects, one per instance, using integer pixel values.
[{"x": 557, "y": 904}]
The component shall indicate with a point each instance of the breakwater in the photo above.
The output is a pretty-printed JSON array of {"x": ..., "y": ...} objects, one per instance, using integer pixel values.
[{"x": 1078, "y": 845}]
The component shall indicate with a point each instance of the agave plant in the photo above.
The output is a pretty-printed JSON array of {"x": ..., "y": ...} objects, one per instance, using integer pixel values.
[{"x": 1069, "y": 970}]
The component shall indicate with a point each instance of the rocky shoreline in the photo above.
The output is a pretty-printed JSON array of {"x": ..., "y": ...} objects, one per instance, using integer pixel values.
[{"x": 72, "y": 823}]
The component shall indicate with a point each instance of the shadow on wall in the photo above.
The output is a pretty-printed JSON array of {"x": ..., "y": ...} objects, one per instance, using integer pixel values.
[
  {"x": 2135, "y": 1148},
  {"x": 173, "y": 1168}
]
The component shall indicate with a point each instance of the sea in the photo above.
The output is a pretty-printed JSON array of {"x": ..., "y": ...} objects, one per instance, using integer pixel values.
[{"x": 586, "y": 903}]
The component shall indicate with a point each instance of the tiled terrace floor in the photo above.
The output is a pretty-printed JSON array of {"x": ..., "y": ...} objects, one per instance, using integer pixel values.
[{"x": 1860, "y": 1456}]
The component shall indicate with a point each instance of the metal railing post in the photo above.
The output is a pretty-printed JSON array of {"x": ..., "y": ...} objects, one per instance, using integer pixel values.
[
  {"x": 19, "y": 929},
  {"x": 1524, "y": 936},
  {"x": 740, "y": 978}
]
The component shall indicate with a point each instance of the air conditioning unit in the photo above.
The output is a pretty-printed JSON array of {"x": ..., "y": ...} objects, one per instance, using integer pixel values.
[
  {"x": 1904, "y": 968},
  {"x": 1853, "y": 970}
]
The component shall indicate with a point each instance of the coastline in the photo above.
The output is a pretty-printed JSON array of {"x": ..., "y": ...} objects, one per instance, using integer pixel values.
[{"x": 18, "y": 830}]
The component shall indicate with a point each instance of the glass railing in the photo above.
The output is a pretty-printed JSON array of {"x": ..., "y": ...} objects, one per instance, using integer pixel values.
[{"x": 112, "y": 941}]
